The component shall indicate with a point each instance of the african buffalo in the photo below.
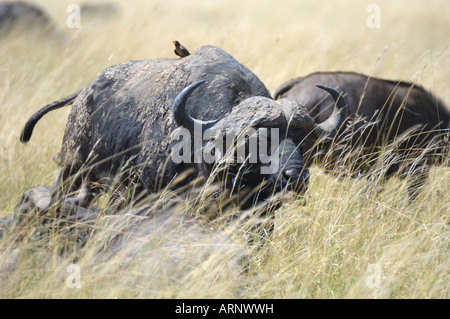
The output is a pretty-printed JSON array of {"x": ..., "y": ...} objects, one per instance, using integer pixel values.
[
  {"x": 120, "y": 126},
  {"x": 23, "y": 15},
  {"x": 99, "y": 10},
  {"x": 381, "y": 111}
]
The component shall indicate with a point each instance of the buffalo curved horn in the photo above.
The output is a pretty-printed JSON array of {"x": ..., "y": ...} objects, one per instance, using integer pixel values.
[
  {"x": 329, "y": 128},
  {"x": 179, "y": 110}
]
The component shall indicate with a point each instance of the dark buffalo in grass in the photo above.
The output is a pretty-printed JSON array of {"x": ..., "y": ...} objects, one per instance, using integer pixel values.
[{"x": 393, "y": 126}]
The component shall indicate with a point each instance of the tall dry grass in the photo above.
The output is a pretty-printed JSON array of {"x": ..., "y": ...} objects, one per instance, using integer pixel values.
[{"x": 328, "y": 244}]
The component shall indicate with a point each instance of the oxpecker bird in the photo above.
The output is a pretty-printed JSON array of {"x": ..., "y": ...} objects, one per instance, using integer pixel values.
[{"x": 180, "y": 50}]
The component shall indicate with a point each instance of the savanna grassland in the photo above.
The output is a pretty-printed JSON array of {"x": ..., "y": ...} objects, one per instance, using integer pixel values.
[{"x": 343, "y": 239}]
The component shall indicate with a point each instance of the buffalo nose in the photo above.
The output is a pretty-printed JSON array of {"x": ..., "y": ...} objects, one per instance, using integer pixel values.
[{"x": 291, "y": 173}]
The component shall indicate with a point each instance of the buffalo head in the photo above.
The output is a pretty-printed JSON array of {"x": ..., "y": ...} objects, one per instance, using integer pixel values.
[{"x": 257, "y": 146}]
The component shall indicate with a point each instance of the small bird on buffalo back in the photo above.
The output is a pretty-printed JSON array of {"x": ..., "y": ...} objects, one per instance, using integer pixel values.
[{"x": 180, "y": 50}]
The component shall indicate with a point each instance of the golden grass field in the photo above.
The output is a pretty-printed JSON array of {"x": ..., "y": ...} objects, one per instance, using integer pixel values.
[{"x": 329, "y": 244}]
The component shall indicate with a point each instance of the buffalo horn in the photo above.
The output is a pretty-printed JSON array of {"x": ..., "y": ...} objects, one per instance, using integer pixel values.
[
  {"x": 179, "y": 110},
  {"x": 329, "y": 128}
]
